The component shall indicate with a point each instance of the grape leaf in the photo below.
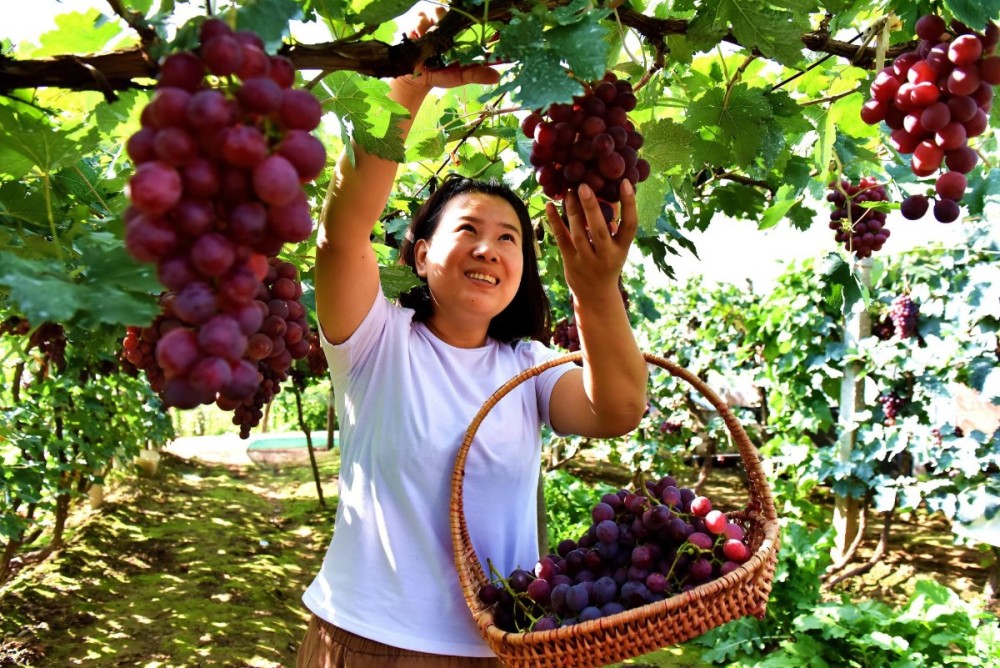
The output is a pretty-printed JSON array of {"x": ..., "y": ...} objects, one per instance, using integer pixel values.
[
  {"x": 365, "y": 113},
  {"x": 755, "y": 24},
  {"x": 741, "y": 115},
  {"x": 587, "y": 64},
  {"x": 974, "y": 13},
  {"x": 76, "y": 32},
  {"x": 397, "y": 279},
  {"x": 666, "y": 145},
  {"x": 380, "y": 11},
  {"x": 842, "y": 280},
  {"x": 649, "y": 202},
  {"x": 26, "y": 206},
  {"x": 784, "y": 199},
  {"x": 538, "y": 79},
  {"x": 268, "y": 19}
]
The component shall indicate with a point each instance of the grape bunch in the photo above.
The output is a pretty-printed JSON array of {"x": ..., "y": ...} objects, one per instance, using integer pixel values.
[
  {"x": 934, "y": 100},
  {"x": 565, "y": 335},
  {"x": 224, "y": 148},
  {"x": 316, "y": 359},
  {"x": 904, "y": 314},
  {"x": 641, "y": 547},
  {"x": 15, "y": 325},
  {"x": 891, "y": 402},
  {"x": 883, "y": 328},
  {"x": 235, "y": 360},
  {"x": 861, "y": 229},
  {"x": 590, "y": 140},
  {"x": 50, "y": 340}
]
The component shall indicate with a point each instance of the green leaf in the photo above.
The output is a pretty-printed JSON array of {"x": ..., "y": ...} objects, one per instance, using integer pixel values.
[
  {"x": 20, "y": 203},
  {"x": 365, "y": 113},
  {"x": 49, "y": 149},
  {"x": 380, "y": 11},
  {"x": 974, "y": 13},
  {"x": 268, "y": 19},
  {"x": 586, "y": 64},
  {"x": 776, "y": 33},
  {"x": 740, "y": 114},
  {"x": 838, "y": 275},
  {"x": 649, "y": 197},
  {"x": 538, "y": 79},
  {"x": 666, "y": 146},
  {"x": 77, "y": 32},
  {"x": 784, "y": 199},
  {"x": 397, "y": 279}
]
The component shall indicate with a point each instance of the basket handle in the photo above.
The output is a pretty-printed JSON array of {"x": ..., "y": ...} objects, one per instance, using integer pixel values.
[{"x": 470, "y": 570}]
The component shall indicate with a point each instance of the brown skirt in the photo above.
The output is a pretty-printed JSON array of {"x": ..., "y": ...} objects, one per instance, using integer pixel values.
[{"x": 326, "y": 646}]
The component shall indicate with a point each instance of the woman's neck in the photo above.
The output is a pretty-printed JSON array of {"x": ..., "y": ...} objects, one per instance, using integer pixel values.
[{"x": 457, "y": 335}]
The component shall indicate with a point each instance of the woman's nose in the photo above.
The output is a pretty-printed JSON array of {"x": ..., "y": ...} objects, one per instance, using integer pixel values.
[{"x": 486, "y": 251}]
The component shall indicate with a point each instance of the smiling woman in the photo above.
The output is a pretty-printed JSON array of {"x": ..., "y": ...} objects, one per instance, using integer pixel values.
[
  {"x": 409, "y": 378},
  {"x": 468, "y": 227}
]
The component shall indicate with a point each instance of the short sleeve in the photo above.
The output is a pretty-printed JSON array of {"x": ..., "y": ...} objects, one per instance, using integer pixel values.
[
  {"x": 533, "y": 353},
  {"x": 343, "y": 358}
]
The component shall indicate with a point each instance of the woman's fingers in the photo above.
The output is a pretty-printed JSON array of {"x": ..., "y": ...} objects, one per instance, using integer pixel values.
[{"x": 629, "y": 221}]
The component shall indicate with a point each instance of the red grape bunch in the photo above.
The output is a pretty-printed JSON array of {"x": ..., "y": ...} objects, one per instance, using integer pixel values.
[
  {"x": 224, "y": 149},
  {"x": 642, "y": 546},
  {"x": 565, "y": 335},
  {"x": 15, "y": 325},
  {"x": 891, "y": 402},
  {"x": 590, "y": 140},
  {"x": 935, "y": 99},
  {"x": 904, "y": 314},
  {"x": 861, "y": 229}
]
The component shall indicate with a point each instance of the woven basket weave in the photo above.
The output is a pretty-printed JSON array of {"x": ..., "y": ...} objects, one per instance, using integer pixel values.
[{"x": 644, "y": 629}]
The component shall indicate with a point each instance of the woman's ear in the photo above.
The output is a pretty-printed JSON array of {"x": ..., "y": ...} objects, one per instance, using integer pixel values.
[{"x": 420, "y": 258}]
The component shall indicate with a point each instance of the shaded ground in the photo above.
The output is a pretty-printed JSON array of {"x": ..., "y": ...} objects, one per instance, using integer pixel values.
[
  {"x": 201, "y": 566},
  {"x": 204, "y": 565}
]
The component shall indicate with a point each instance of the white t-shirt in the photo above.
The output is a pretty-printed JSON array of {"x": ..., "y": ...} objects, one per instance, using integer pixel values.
[{"x": 405, "y": 400}]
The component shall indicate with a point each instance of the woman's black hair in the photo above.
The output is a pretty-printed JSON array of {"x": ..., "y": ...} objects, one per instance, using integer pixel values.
[{"x": 528, "y": 314}]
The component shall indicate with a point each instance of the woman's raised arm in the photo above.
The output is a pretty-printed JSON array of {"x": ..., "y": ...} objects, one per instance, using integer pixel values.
[{"x": 346, "y": 268}]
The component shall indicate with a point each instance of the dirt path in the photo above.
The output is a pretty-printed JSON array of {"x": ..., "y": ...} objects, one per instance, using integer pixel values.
[{"x": 202, "y": 565}]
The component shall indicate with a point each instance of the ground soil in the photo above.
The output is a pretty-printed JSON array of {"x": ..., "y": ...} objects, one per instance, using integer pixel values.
[{"x": 204, "y": 564}]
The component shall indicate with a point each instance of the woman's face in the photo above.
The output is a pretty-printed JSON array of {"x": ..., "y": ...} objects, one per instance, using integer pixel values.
[{"x": 474, "y": 260}]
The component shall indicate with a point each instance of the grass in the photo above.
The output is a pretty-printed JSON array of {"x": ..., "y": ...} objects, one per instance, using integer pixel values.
[{"x": 203, "y": 565}]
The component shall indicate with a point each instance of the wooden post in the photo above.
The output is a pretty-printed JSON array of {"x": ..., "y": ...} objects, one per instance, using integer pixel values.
[{"x": 857, "y": 325}]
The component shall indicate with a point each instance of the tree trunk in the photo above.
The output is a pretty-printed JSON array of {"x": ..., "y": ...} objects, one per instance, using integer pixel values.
[
  {"x": 297, "y": 391},
  {"x": 847, "y": 510},
  {"x": 991, "y": 592},
  {"x": 880, "y": 550}
]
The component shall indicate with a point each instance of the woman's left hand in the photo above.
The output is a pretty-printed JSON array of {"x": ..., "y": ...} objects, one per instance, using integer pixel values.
[{"x": 593, "y": 251}]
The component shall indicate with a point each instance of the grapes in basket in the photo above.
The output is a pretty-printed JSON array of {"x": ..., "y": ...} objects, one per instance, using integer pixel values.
[{"x": 641, "y": 547}]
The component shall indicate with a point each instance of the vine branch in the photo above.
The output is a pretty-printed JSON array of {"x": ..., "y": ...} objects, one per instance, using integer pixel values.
[{"x": 131, "y": 68}]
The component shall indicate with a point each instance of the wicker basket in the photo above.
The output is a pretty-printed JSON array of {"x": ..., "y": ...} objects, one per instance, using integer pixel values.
[{"x": 644, "y": 629}]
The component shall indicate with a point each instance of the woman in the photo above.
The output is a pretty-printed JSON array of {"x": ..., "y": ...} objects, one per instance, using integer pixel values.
[{"x": 409, "y": 379}]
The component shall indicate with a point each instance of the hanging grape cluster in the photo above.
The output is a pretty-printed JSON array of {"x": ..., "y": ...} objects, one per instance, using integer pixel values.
[
  {"x": 642, "y": 546},
  {"x": 891, "y": 402},
  {"x": 935, "y": 99},
  {"x": 224, "y": 149},
  {"x": 904, "y": 314},
  {"x": 860, "y": 229},
  {"x": 589, "y": 141}
]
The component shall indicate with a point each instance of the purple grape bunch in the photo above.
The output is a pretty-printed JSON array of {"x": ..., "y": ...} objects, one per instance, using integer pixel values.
[
  {"x": 641, "y": 547},
  {"x": 223, "y": 152}
]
